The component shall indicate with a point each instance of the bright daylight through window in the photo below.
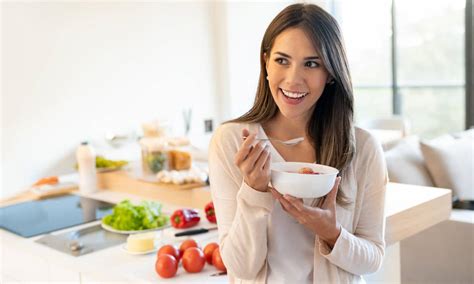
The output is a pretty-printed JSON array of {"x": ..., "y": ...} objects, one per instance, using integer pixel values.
[{"x": 428, "y": 61}]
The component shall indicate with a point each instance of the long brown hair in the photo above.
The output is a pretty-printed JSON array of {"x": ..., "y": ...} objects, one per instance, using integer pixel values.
[{"x": 331, "y": 125}]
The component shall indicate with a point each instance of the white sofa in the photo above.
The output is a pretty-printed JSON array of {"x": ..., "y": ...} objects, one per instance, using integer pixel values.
[{"x": 445, "y": 252}]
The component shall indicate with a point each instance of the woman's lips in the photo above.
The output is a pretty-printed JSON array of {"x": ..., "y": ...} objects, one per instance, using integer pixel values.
[{"x": 291, "y": 101}]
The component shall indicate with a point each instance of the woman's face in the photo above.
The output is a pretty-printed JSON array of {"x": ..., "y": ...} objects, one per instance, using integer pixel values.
[{"x": 296, "y": 74}]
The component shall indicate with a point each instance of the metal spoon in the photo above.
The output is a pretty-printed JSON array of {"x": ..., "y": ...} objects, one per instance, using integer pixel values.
[{"x": 290, "y": 142}]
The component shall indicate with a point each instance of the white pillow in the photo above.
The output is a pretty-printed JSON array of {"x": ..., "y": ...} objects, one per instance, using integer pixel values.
[
  {"x": 450, "y": 164},
  {"x": 405, "y": 163}
]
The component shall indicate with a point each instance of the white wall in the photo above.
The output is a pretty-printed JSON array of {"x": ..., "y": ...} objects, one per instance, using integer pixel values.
[
  {"x": 247, "y": 22},
  {"x": 72, "y": 71}
]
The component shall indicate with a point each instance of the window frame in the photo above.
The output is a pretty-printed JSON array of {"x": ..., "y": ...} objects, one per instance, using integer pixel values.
[
  {"x": 469, "y": 86},
  {"x": 469, "y": 66}
]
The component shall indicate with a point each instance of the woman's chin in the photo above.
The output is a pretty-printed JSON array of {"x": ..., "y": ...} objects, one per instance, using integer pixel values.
[{"x": 293, "y": 114}]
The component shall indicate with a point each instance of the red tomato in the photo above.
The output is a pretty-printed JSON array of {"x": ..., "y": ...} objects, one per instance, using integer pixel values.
[
  {"x": 166, "y": 266},
  {"x": 208, "y": 250},
  {"x": 193, "y": 260},
  {"x": 189, "y": 243},
  {"x": 217, "y": 260},
  {"x": 171, "y": 250}
]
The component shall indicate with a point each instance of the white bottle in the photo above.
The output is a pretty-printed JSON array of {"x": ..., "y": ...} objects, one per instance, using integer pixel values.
[{"x": 85, "y": 156}]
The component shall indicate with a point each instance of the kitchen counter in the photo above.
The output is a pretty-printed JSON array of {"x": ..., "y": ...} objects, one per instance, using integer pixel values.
[
  {"x": 409, "y": 210},
  {"x": 25, "y": 260}
]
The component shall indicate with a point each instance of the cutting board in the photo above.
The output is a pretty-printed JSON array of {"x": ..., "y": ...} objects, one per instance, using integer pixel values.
[
  {"x": 138, "y": 175},
  {"x": 30, "y": 194}
]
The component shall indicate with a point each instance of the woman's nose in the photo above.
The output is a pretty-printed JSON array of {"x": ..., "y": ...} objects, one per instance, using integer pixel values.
[{"x": 294, "y": 75}]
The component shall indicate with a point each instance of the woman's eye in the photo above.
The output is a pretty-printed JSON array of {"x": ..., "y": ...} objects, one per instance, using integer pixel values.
[
  {"x": 281, "y": 61},
  {"x": 311, "y": 64}
]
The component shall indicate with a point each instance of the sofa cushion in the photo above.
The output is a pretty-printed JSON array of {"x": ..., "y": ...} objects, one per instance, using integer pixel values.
[
  {"x": 405, "y": 163},
  {"x": 450, "y": 164},
  {"x": 465, "y": 134}
]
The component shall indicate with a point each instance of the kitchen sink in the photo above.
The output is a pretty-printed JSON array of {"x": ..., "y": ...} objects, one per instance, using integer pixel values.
[{"x": 82, "y": 241}]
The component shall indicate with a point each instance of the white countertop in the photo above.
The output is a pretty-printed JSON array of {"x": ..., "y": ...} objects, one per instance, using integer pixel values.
[
  {"x": 409, "y": 210},
  {"x": 111, "y": 264}
]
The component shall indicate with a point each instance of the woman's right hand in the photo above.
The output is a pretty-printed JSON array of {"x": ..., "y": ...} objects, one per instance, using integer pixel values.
[{"x": 254, "y": 162}]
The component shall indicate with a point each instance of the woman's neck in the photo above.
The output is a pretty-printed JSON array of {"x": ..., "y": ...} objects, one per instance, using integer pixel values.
[{"x": 283, "y": 128}]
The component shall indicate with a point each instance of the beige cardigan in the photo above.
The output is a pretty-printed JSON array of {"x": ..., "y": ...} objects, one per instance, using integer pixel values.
[{"x": 243, "y": 213}]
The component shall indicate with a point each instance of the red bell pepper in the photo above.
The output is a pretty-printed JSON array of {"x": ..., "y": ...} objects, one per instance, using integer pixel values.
[
  {"x": 210, "y": 213},
  {"x": 184, "y": 218}
]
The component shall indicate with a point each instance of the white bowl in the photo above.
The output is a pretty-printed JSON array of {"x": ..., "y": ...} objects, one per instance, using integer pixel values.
[{"x": 286, "y": 179}]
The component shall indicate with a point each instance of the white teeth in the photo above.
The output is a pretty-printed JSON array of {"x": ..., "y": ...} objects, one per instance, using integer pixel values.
[{"x": 293, "y": 95}]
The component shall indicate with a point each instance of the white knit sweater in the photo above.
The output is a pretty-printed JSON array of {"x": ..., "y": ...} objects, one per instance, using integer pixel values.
[{"x": 247, "y": 219}]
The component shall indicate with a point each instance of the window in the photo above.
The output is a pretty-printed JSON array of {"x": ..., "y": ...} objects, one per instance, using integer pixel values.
[
  {"x": 424, "y": 75},
  {"x": 368, "y": 38},
  {"x": 430, "y": 64}
]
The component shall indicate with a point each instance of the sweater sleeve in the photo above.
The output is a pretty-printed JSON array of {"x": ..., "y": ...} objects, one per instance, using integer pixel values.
[
  {"x": 362, "y": 252},
  {"x": 242, "y": 212}
]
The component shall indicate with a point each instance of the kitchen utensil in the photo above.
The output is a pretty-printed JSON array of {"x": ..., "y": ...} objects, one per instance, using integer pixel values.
[
  {"x": 290, "y": 142},
  {"x": 194, "y": 232},
  {"x": 219, "y": 273}
]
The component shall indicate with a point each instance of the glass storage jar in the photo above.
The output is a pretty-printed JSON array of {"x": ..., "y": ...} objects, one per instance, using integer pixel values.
[{"x": 154, "y": 155}]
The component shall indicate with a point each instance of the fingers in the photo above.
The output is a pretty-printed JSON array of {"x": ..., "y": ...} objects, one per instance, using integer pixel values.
[
  {"x": 292, "y": 208},
  {"x": 333, "y": 193},
  {"x": 266, "y": 166},
  {"x": 295, "y": 202},
  {"x": 255, "y": 154},
  {"x": 330, "y": 198},
  {"x": 278, "y": 196},
  {"x": 249, "y": 156},
  {"x": 275, "y": 193},
  {"x": 245, "y": 148},
  {"x": 262, "y": 159},
  {"x": 288, "y": 200},
  {"x": 245, "y": 132},
  {"x": 253, "y": 161},
  {"x": 291, "y": 204}
]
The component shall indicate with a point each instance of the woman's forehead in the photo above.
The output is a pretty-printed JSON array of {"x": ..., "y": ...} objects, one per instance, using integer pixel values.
[{"x": 294, "y": 42}]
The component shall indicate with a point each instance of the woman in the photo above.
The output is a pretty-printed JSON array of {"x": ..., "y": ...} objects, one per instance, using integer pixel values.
[{"x": 305, "y": 91}]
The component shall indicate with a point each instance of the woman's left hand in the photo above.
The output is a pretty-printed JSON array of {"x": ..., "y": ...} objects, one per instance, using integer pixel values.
[{"x": 321, "y": 220}]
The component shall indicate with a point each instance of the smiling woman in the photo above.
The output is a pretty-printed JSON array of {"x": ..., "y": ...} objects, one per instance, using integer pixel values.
[
  {"x": 305, "y": 91},
  {"x": 295, "y": 74}
]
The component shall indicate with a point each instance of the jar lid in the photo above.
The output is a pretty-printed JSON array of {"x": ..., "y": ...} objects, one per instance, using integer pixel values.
[
  {"x": 178, "y": 141},
  {"x": 153, "y": 143}
]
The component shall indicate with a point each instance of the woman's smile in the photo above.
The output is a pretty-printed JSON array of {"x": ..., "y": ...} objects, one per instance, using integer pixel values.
[{"x": 292, "y": 98}]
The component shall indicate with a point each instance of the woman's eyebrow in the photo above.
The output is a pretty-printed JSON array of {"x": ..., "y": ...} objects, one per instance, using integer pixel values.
[{"x": 287, "y": 56}]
